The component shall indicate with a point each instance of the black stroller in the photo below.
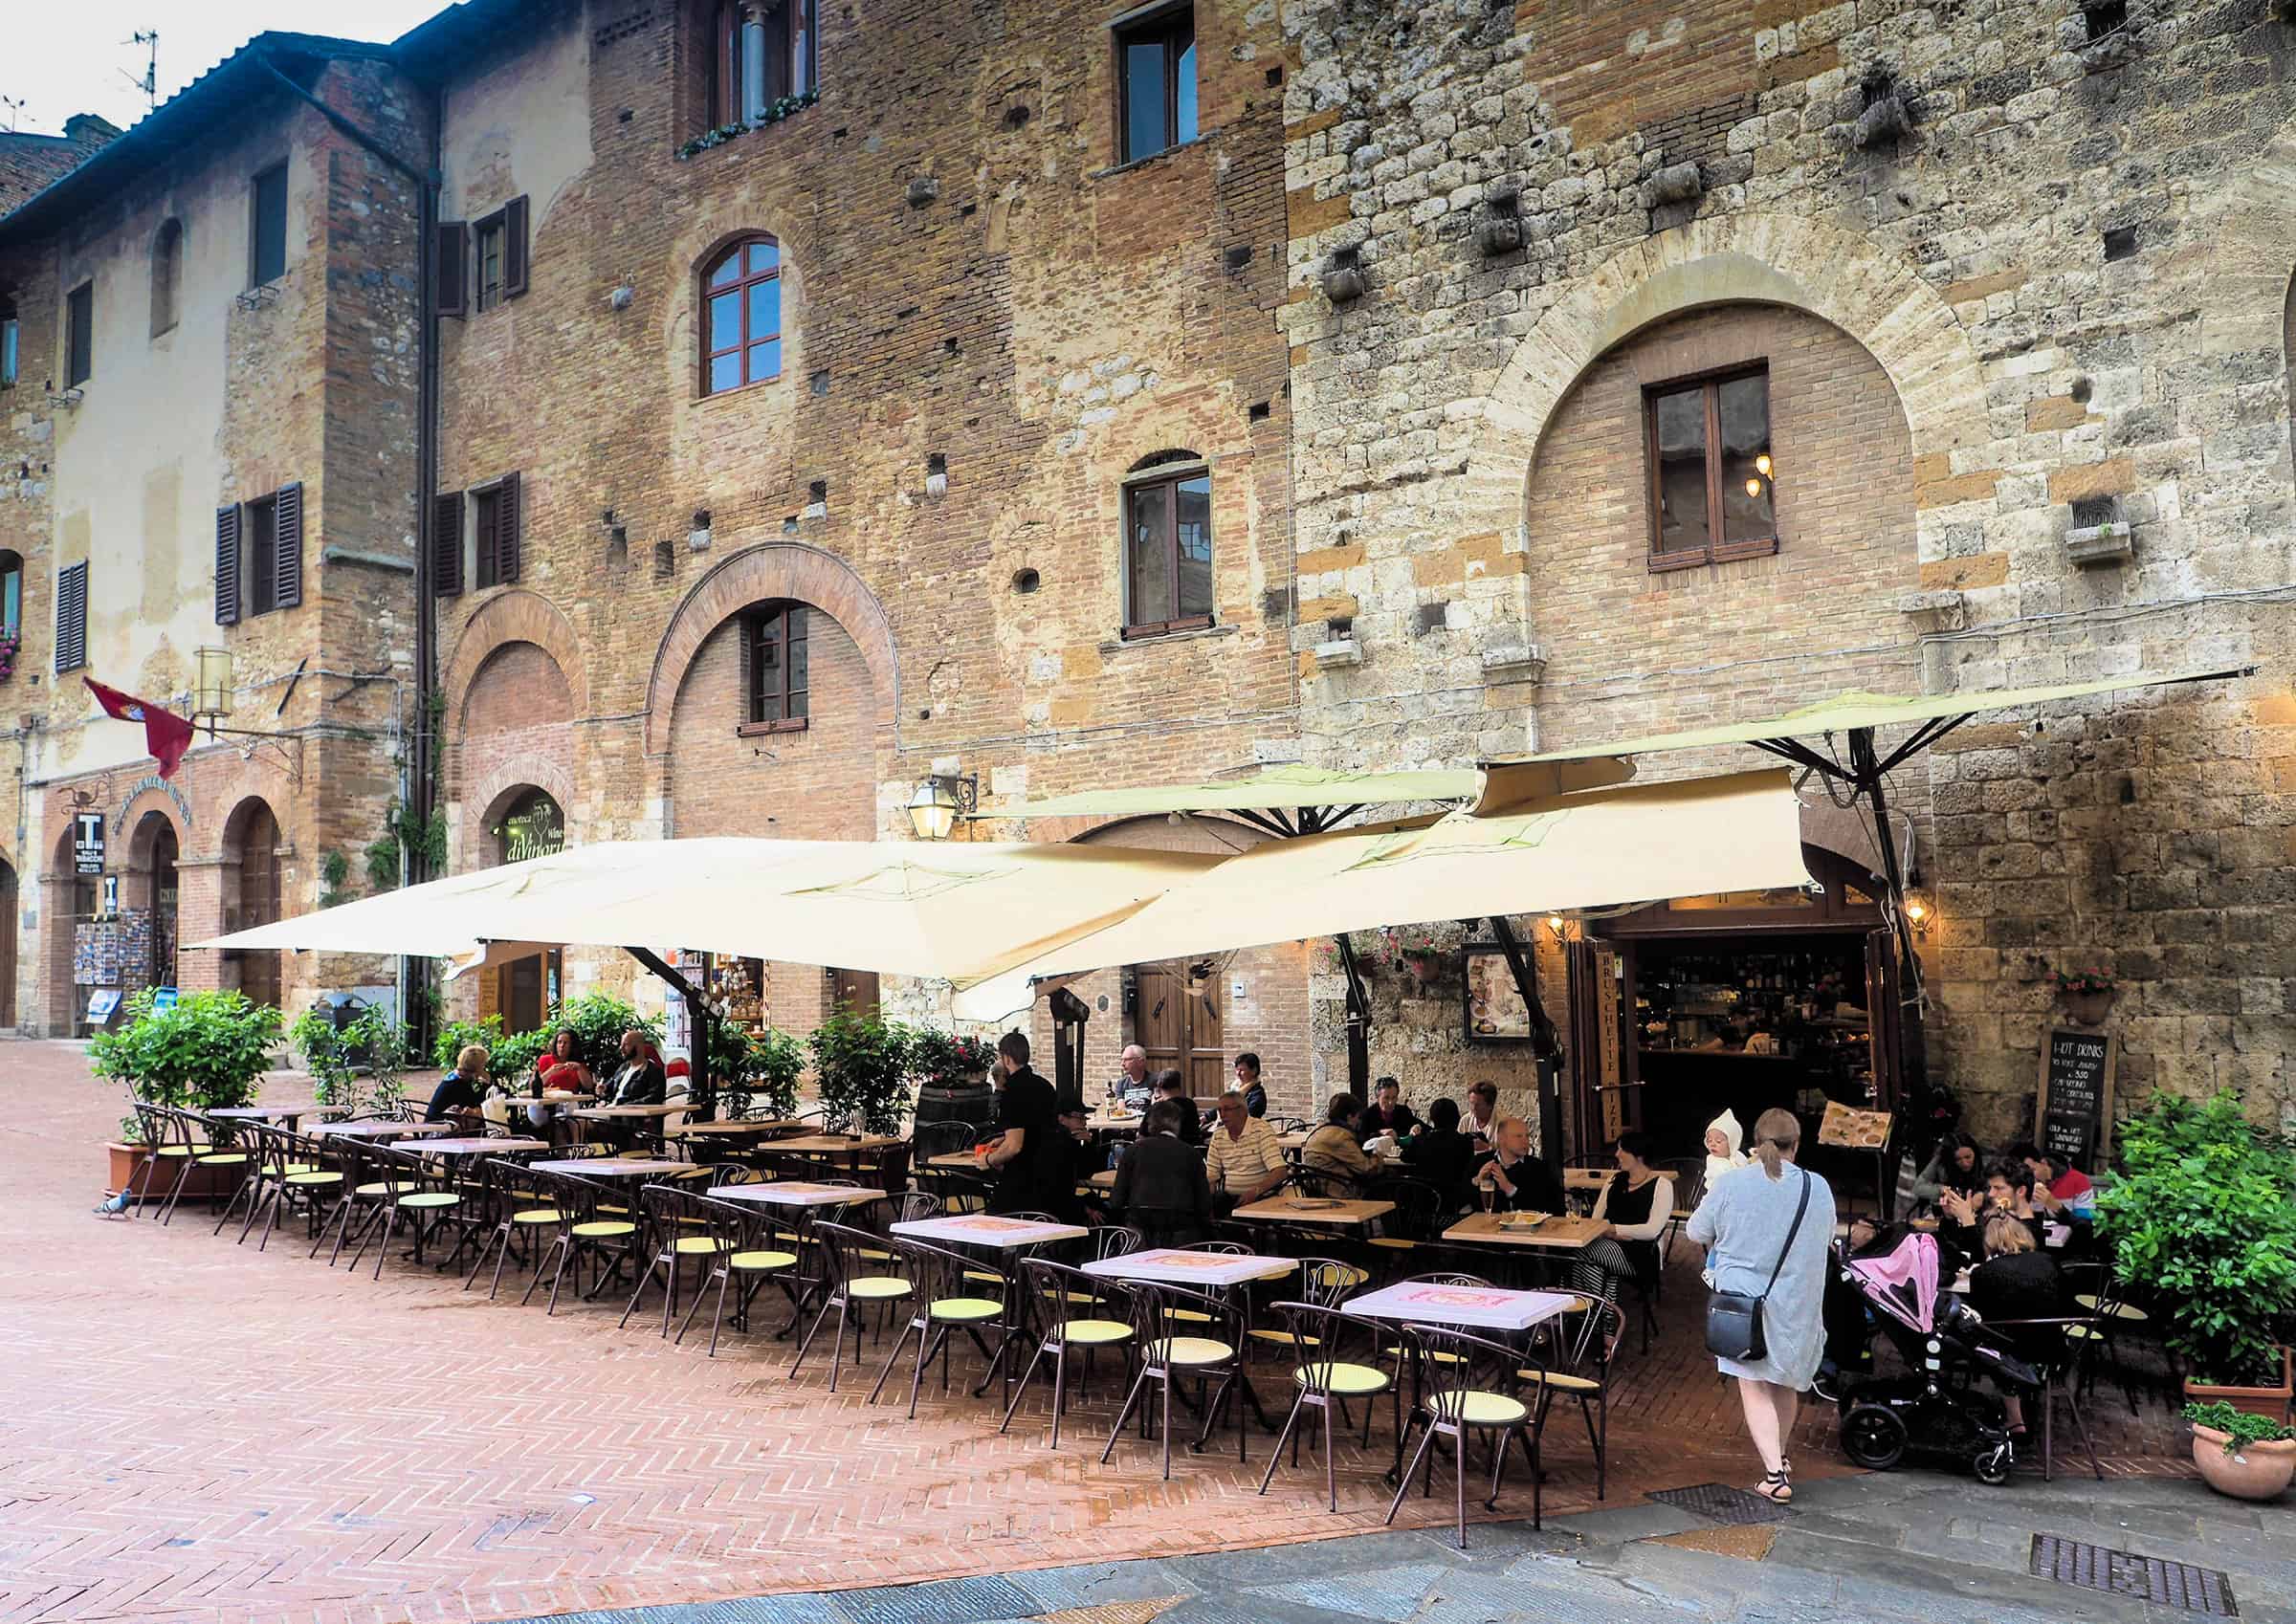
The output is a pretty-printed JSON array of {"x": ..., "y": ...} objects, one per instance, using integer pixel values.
[{"x": 1934, "y": 1412}]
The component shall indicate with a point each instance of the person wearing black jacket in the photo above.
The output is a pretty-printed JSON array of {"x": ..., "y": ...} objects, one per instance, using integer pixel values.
[
  {"x": 1441, "y": 1155},
  {"x": 2018, "y": 1281},
  {"x": 1033, "y": 1157},
  {"x": 1172, "y": 1089},
  {"x": 1521, "y": 1182},
  {"x": 1161, "y": 1189}
]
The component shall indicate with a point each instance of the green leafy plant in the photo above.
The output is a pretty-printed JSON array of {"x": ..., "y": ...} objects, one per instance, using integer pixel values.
[
  {"x": 372, "y": 1042},
  {"x": 598, "y": 1021},
  {"x": 745, "y": 1065},
  {"x": 510, "y": 1058},
  {"x": 944, "y": 1059},
  {"x": 457, "y": 1035},
  {"x": 774, "y": 113},
  {"x": 2239, "y": 1428},
  {"x": 2075, "y": 983},
  {"x": 861, "y": 1065},
  {"x": 204, "y": 1054},
  {"x": 2201, "y": 1219},
  {"x": 383, "y": 864},
  {"x": 334, "y": 869}
]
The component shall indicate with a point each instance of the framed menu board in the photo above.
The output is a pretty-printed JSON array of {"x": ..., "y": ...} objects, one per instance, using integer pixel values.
[
  {"x": 1495, "y": 1011},
  {"x": 2072, "y": 1111}
]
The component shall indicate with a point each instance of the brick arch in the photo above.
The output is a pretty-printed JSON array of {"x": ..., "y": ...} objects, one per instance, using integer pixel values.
[
  {"x": 1836, "y": 276},
  {"x": 484, "y": 793},
  {"x": 773, "y": 569},
  {"x": 519, "y": 615}
]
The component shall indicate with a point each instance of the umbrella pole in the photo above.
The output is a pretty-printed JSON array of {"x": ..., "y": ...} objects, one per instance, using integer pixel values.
[
  {"x": 1358, "y": 1022},
  {"x": 701, "y": 1089},
  {"x": 1546, "y": 1049},
  {"x": 1913, "y": 1048}
]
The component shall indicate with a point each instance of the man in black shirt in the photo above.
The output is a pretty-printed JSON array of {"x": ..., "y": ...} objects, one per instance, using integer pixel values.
[
  {"x": 1033, "y": 1163},
  {"x": 1171, "y": 1088},
  {"x": 1522, "y": 1183}
]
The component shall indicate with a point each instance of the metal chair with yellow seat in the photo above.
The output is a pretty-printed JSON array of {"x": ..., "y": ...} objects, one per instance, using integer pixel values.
[
  {"x": 1581, "y": 1342},
  {"x": 948, "y": 1299},
  {"x": 222, "y": 1147},
  {"x": 850, "y": 1282},
  {"x": 1323, "y": 1378},
  {"x": 675, "y": 1233},
  {"x": 1082, "y": 1311},
  {"x": 366, "y": 1181},
  {"x": 1402, "y": 1347},
  {"x": 1165, "y": 1356},
  {"x": 746, "y": 1257},
  {"x": 415, "y": 1196},
  {"x": 171, "y": 1138},
  {"x": 288, "y": 1174},
  {"x": 579, "y": 1233},
  {"x": 2101, "y": 1295},
  {"x": 1415, "y": 1222},
  {"x": 1471, "y": 1386},
  {"x": 516, "y": 1213}
]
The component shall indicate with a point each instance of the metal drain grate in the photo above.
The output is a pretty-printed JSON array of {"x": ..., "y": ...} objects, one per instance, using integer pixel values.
[
  {"x": 1722, "y": 1502},
  {"x": 2124, "y": 1574}
]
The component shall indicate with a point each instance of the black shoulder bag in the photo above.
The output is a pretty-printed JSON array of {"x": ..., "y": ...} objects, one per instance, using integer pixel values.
[{"x": 1733, "y": 1319}]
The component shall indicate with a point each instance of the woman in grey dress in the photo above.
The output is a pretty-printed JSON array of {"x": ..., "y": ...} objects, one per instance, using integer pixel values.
[{"x": 1744, "y": 1222}]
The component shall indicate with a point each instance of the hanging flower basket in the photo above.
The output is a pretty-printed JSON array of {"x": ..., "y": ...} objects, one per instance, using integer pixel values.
[
  {"x": 1426, "y": 968},
  {"x": 2087, "y": 994}
]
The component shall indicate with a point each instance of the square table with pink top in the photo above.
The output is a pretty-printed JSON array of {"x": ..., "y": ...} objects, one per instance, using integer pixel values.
[
  {"x": 381, "y": 1130},
  {"x": 986, "y": 1229},
  {"x": 610, "y": 1167},
  {"x": 1170, "y": 1266},
  {"x": 1484, "y": 1308},
  {"x": 480, "y": 1147},
  {"x": 792, "y": 1192}
]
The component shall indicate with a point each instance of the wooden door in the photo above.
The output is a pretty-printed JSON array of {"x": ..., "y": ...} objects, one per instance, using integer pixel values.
[
  {"x": 7, "y": 946},
  {"x": 1606, "y": 1092},
  {"x": 1180, "y": 1024},
  {"x": 1206, "y": 1063},
  {"x": 854, "y": 992},
  {"x": 523, "y": 995}
]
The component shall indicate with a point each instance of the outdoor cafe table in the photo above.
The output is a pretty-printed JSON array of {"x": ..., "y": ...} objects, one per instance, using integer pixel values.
[
  {"x": 1557, "y": 1234},
  {"x": 289, "y": 1114},
  {"x": 803, "y": 1199},
  {"x": 381, "y": 1130},
  {"x": 828, "y": 1147},
  {"x": 1312, "y": 1211},
  {"x": 610, "y": 1167},
  {"x": 1480, "y": 1308},
  {"x": 1006, "y": 1234},
  {"x": 742, "y": 1128},
  {"x": 1171, "y": 1266},
  {"x": 480, "y": 1147},
  {"x": 618, "y": 1113}
]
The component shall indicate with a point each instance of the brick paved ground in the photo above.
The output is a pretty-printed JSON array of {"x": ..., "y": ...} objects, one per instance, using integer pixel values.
[{"x": 195, "y": 1433}]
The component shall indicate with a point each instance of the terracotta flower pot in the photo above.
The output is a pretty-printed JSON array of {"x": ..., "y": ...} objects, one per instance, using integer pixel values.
[
  {"x": 2258, "y": 1471},
  {"x": 2273, "y": 1403},
  {"x": 2089, "y": 1009}
]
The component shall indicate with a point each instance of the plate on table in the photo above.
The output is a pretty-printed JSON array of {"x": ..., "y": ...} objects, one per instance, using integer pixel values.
[
  {"x": 1522, "y": 1221},
  {"x": 1313, "y": 1204}
]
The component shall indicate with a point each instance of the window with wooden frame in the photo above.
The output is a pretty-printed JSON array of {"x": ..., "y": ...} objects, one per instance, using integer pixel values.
[
  {"x": 1168, "y": 548},
  {"x": 1711, "y": 473},
  {"x": 11, "y": 594},
  {"x": 267, "y": 227},
  {"x": 1156, "y": 82},
  {"x": 259, "y": 556},
  {"x": 787, "y": 62},
  {"x": 499, "y": 255},
  {"x": 494, "y": 532},
  {"x": 776, "y": 670},
  {"x": 742, "y": 316}
]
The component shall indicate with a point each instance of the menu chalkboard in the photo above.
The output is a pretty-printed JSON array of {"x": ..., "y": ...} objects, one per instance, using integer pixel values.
[{"x": 2073, "y": 1112}]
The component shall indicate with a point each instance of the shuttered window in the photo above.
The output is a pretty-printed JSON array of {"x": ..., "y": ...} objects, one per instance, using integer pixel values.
[
  {"x": 497, "y": 511},
  {"x": 446, "y": 543},
  {"x": 287, "y": 575},
  {"x": 227, "y": 566},
  {"x": 450, "y": 266},
  {"x": 72, "y": 618},
  {"x": 259, "y": 556},
  {"x": 499, "y": 255}
]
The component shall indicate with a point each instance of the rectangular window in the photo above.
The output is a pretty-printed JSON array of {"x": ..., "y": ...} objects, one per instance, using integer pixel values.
[
  {"x": 72, "y": 618},
  {"x": 1711, "y": 473},
  {"x": 8, "y": 347},
  {"x": 487, "y": 506},
  {"x": 1168, "y": 555},
  {"x": 259, "y": 556},
  {"x": 490, "y": 234},
  {"x": 780, "y": 670},
  {"x": 267, "y": 227},
  {"x": 1156, "y": 82},
  {"x": 79, "y": 336}
]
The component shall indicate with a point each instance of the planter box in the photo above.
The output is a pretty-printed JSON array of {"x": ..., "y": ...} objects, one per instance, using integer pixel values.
[
  {"x": 2269, "y": 1401},
  {"x": 205, "y": 1183}
]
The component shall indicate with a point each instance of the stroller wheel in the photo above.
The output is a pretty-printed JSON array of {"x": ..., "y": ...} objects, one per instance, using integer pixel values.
[
  {"x": 1992, "y": 1465},
  {"x": 1873, "y": 1436}
]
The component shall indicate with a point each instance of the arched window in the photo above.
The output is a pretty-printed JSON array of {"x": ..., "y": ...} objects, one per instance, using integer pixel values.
[
  {"x": 1167, "y": 544},
  {"x": 11, "y": 594},
  {"x": 761, "y": 50},
  {"x": 167, "y": 274},
  {"x": 741, "y": 320}
]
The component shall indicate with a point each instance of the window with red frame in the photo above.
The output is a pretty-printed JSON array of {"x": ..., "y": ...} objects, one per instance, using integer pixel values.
[{"x": 741, "y": 317}]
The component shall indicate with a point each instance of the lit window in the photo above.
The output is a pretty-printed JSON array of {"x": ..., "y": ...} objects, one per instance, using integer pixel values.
[
  {"x": 741, "y": 320},
  {"x": 1708, "y": 448},
  {"x": 1156, "y": 70}
]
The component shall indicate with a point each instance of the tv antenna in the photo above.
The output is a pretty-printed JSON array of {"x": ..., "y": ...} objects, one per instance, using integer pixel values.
[
  {"x": 149, "y": 83},
  {"x": 15, "y": 105}
]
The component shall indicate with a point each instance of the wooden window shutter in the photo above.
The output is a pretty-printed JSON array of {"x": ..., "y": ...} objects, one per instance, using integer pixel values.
[
  {"x": 746, "y": 640},
  {"x": 227, "y": 566},
  {"x": 453, "y": 267},
  {"x": 72, "y": 619},
  {"x": 287, "y": 578},
  {"x": 506, "y": 531},
  {"x": 513, "y": 246},
  {"x": 446, "y": 544}
]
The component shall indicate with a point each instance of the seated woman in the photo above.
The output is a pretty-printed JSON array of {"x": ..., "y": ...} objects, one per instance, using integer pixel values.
[
  {"x": 1958, "y": 1165},
  {"x": 555, "y": 1071},
  {"x": 2018, "y": 1281},
  {"x": 1332, "y": 1154},
  {"x": 1161, "y": 1189},
  {"x": 1636, "y": 1206},
  {"x": 2008, "y": 1194},
  {"x": 1441, "y": 1155},
  {"x": 459, "y": 1093}
]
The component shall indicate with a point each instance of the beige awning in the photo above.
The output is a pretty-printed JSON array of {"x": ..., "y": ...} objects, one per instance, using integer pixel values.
[
  {"x": 960, "y": 911},
  {"x": 1854, "y": 710},
  {"x": 1293, "y": 788},
  {"x": 1598, "y": 849}
]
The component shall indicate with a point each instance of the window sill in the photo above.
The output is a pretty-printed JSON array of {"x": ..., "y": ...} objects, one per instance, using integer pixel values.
[
  {"x": 1130, "y": 163},
  {"x": 1729, "y": 552},
  {"x": 740, "y": 388},
  {"x": 1150, "y": 639},
  {"x": 760, "y": 730}
]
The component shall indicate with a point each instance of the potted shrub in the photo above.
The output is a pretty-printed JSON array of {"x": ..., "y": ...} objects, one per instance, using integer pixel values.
[
  {"x": 861, "y": 1065},
  {"x": 952, "y": 1075},
  {"x": 745, "y": 1065},
  {"x": 204, "y": 1054},
  {"x": 2087, "y": 994},
  {"x": 2200, "y": 1224},
  {"x": 2247, "y": 1457},
  {"x": 335, "y": 1056}
]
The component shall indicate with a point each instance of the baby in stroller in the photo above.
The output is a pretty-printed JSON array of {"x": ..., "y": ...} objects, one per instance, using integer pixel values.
[{"x": 1933, "y": 1412}]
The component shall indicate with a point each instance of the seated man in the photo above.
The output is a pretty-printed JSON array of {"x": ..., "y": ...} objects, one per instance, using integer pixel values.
[
  {"x": 1519, "y": 1181},
  {"x": 1132, "y": 1086},
  {"x": 2060, "y": 1189},
  {"x": 1248, "y": 1084},
  {"x": 1245, "y": 1160},
  {"x": 639, "y": 1081},
  {"x": 1171, "y": 1085},
  {"x": 1482, "y": 1118},
  {"x": 1387, "y": 1114},
  {"x": 1161, "y": 1185},
  {"x": 1335, "y": 1153}
]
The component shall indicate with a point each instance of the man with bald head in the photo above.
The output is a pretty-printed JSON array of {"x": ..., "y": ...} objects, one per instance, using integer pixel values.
[
  {"x": 1132, "y": 1084},
  {"x": 1519, "y": 1181}
]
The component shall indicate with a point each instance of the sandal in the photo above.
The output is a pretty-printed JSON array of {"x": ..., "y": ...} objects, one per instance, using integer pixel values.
[{"x": 1776, "y": 1487}]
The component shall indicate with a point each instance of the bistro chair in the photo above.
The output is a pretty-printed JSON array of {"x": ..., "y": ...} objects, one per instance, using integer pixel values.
[
  {"x": 287, "y": 1174},
  {"x": 1164, "y": 1357},
  {"x": 1688, "y": 1174},
  {"x": 1415, "y": 1222},
  {"x": 222, "y": 1147},
  {"x": 1403, "y": 1348},
  {"x": 2054, "y": 1348},
  {"x": 851, "y": 1280},
  {"x": 2105, "y": 1300},
  {"x": 417, "y": 1197},
  {"x": 1089, "y": 1312},
  {"x": 948, "y": 1301},
  {"x": 515, "y": 1212},
  {"x": 1583, "y": 1343},
  {"x": 171, "y": 1140},
  {"x": 359, "y": 1205},
  {"x": 579, "y": 1233},
  {"x": 746, "y": 1258},
  {"x": 1317, "y": 1334},
  {"x": 676, "y": 1230},
  {"x": 1323, "y": 1283},
  {"x": 1471, "y": 1388}
]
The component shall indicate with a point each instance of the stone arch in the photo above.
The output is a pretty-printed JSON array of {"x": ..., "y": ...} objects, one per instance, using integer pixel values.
[
  {"x": 253, "y": 892},
  {"x": 790, "y": 570},
  {"x": 1867, "y": 293},
  {"x": 493, "y": 787},
  {"x": 519, "y": 615}
]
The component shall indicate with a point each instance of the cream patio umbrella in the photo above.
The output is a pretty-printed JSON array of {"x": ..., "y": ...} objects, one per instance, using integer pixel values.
[{"x": 1597, "y": 849}]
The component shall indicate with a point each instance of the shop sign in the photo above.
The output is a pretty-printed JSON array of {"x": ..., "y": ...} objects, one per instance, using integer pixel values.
[{"x": 87, "y": 843}]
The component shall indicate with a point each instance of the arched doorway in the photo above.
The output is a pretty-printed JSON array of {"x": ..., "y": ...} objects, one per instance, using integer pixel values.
[
  {"x": 8, "y": 946},
  {"x": 251, "y": 844},
  {"x": 152, "y": 884},
  {"x": 528, "y": 823}
]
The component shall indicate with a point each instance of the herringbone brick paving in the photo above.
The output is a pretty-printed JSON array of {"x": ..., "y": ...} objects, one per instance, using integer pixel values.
[{"x": 194, "y": 1433}]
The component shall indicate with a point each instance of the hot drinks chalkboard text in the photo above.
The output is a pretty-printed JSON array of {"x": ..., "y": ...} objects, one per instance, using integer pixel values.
[{"x": 2073, "y": 1113}]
